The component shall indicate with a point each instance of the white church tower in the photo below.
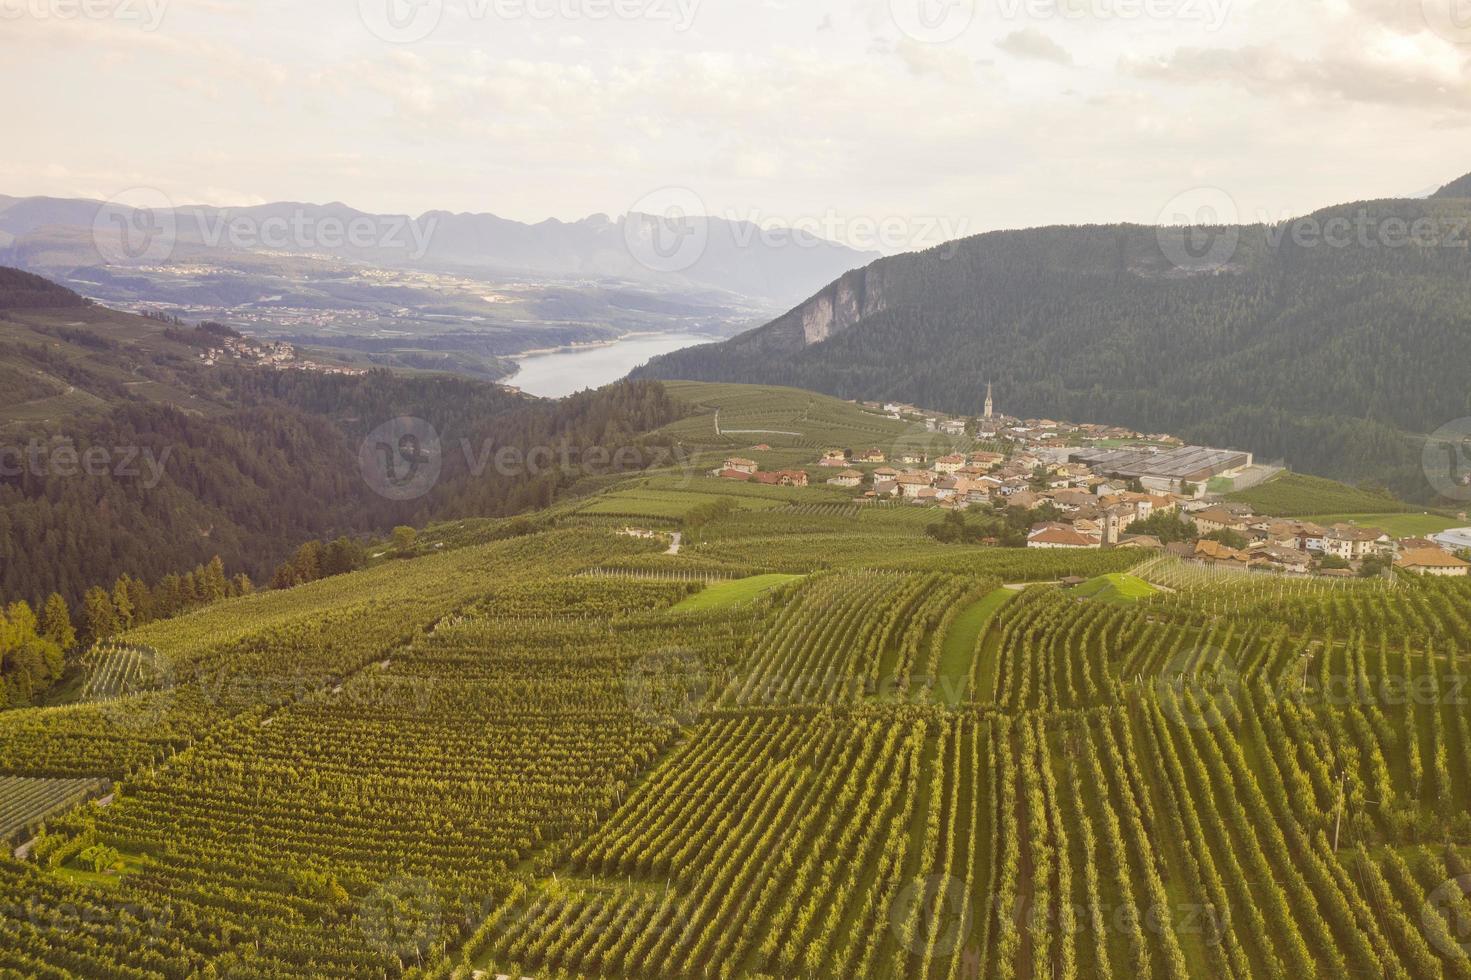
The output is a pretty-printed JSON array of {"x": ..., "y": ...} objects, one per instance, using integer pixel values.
[{"x": 990, "y": 405}]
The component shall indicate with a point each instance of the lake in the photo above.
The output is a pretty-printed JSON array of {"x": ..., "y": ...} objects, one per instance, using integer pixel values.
[{"x": 565, "y": 372}]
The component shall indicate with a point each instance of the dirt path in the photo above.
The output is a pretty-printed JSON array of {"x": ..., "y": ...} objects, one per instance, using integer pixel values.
[
  {"x": 750, "y": 432},
  {"x": 678, "y": 540}
]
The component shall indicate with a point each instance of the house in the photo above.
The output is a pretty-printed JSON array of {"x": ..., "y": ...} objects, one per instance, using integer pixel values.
[
  {"x": 782, "y": 478},
  {"x": 1214, "y": 519},
  {"x": 1286, "y": 559},
  {"x": 912, "y": 457},
  {"x": 1217, "y": 552},
  {"x": 872, "y": 456},
  {"x": 847, "y": 478},
  {"x": 746, "y": 466},
  {"x": 949, "y": 464},
  {"x": 763, "y": 448},
  {"x": 985, "y": 459},
  {"x": 1353, "y": 543},
  {"x": 1025, "y": 499},
  {"x": 1433, "y": 562},
  {"x": 910, "y": 485},
  {"x": 886, "y": 473},
  {"x": 884, "y": 488},
  {"x": 953, "y": 427},
  {"x": 741, "y": 475},
  {"x": 1070, "y": 499},
  {"x": 1059, "y": 536}
]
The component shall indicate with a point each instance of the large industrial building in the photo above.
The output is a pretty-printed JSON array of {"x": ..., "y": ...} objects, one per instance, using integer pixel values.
[{"x": 1166, "y": 471}]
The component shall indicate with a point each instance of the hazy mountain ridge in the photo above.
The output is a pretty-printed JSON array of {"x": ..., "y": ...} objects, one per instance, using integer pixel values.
[
  {"x": 737, "y": 256},
  {"x": 1299, "y": 344}
]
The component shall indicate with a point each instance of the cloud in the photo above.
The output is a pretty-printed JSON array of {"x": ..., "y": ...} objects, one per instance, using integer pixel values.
[
  {"x": 930, "y": 59},
  {"x": 1029, "y": 42},
  {"x": 1389, "y": 76}
]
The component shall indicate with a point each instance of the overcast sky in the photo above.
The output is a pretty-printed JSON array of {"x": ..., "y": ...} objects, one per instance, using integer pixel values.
[{"x": 935, "y": 117}]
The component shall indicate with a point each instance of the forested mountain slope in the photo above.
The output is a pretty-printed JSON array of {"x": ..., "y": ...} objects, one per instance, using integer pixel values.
[
  {"x": 1329, "y": 342},
  {"x": 192, "y": 461}
]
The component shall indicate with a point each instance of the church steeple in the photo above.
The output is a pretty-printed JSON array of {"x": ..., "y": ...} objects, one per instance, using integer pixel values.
[{"x": 990, "y": 405}]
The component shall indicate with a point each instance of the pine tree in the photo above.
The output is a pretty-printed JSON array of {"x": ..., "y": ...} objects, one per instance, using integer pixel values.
[
  {"x": 213, "y": 584},
  {"x": 122, "y": 604},
  {"x": 98, "y": 615},
  {"x": 56, "y": 622}
]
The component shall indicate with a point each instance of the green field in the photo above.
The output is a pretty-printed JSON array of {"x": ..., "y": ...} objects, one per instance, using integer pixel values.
[
  {"x": 1119, "y": 589},
  {"x": 962, "y": 641},
  {"x": 727, "y": 594},
  {"x": 1398, "y": 525},
  {"x": 1295, "y": 495},
  {"x": 797, "y": 424}
]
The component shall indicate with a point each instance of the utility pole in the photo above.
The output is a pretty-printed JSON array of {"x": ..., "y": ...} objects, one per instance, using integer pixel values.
[{"x": 1338, "y": 822}]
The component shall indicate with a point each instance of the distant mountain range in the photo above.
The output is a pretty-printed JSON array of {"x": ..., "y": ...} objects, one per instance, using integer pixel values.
[
  {"x": 1336, "y": 341},
  {"x": 48, "y": 235}
]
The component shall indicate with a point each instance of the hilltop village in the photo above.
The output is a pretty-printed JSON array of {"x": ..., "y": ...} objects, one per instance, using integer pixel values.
[{"x": 1090, "y": 486}]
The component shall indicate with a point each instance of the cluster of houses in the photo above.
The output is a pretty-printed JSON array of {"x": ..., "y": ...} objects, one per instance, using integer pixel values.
[
  {"x": 1288, "y": 546},
  {"x": 276, "y": 354},
  {"x": 1103, "y": 480},
  {"x": 1098, "y": 508},
  {"x": 1298, "y": 546},
  {"x": 1027, "y": 433},
  {"x": 748, "y": 470}
]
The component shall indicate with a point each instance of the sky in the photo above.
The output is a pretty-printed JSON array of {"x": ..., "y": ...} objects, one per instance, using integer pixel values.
[{"x": 888, "y": 124}]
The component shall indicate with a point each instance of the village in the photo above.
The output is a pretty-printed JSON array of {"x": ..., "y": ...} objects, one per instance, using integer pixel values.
[
  {"x": 276, "y": 354},
  {"x": 1094, "y": 486}
]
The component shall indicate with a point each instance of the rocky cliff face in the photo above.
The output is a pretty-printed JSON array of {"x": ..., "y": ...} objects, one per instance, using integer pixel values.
[{"x": 842, "y": 304}]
